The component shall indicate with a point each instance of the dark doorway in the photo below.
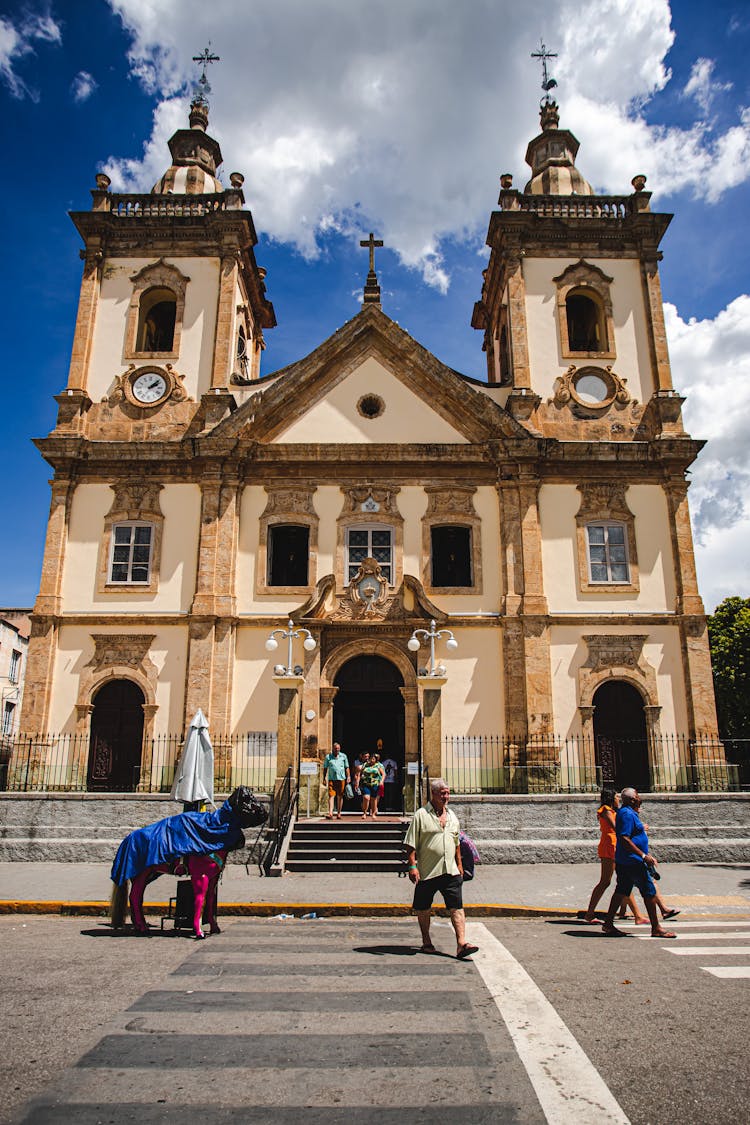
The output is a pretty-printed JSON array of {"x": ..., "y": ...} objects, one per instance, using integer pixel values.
[
  {"x": 116, "y": 738},
  {"x": 369, "y": 706},
  {"x": 620, "y": 735}
]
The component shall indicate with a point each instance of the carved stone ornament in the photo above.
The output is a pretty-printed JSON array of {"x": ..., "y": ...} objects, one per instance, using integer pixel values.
[
  {"x": 607, "y": 651},
  {"x": 569, "y": 390},
  {"x": 450, "y": 502},
  {"x": 370, "y": 499},
  {"x": 129, "y": 650},
  {"x": 617, "y": 656},
  {"x": 123, "y": 388},
  {"x": 366, "y": 595},
  {"x": 284, "y": 501},
  {"x": 135, "y": 500}
]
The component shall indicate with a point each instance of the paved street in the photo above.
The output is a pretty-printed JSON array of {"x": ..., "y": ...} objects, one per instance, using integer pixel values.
[{"x": 345, "y": 1019}]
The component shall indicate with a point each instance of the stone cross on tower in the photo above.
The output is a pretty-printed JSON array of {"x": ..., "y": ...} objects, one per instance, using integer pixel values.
[
  {"x": 203, "y": 88},
  {"x": 372, "y": 289}
]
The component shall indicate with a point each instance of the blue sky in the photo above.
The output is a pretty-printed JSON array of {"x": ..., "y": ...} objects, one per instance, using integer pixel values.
[{"x": 396, "y": 116}]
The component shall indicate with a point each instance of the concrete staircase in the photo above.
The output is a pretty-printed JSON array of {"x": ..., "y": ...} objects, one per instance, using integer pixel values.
[{"x": 350, "y": 844}]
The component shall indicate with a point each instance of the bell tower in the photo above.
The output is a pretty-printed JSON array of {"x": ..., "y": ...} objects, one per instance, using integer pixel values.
[{"x": 571, "y": 306}]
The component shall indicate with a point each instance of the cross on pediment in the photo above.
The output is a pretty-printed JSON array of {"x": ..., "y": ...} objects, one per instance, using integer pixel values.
[
  {"x": 205, "y": 58},
  {"x": 372, "y": 289}
]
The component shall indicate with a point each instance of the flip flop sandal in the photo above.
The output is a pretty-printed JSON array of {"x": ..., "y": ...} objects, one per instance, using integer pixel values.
[
  {"x": 671, "y": 914},
  {"x": 665, "y": 934},
  {"x": 466, "y": 950}
]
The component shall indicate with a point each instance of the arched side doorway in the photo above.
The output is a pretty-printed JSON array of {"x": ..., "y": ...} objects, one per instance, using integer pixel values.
[
  {"x": 620, "y": 735},
  {"x": 116, "y": 738},
  {"x": 369, "y": 706}
]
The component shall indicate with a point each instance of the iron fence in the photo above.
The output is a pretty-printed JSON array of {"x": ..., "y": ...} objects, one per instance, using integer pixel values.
[
  {"x": 66, "y": 763},
  {"x": 667, "y": 763}
]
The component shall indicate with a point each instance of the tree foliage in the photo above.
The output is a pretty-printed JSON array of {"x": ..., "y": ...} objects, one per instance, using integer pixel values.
[{"x": 729, "y": 634}]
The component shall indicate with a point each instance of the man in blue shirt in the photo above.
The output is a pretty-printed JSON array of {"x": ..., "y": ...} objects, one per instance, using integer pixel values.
[{"x": 633, "y": 864}]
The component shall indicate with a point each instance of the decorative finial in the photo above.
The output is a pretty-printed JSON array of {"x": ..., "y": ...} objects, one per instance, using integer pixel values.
[
  {"x": 548, "y": 83},
  {"x": 202, "y": 87},
  {"x": 372, "y": 289}
]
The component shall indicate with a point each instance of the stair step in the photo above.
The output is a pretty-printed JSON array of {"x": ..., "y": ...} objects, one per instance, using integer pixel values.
[{"x": 345, "y": 865}]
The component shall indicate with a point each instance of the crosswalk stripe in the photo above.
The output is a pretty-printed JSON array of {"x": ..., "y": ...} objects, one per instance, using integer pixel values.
[
  {"x": 728, "y": 972},
  {"x": 702, "y": 950},
  {"x": 705, "y": 937},
  {"x": 678, "y": 924},
  {"x": 569, "y": 1088}
]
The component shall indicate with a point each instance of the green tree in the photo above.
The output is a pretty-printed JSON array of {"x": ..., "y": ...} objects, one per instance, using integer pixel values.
[{"x": 729, "y": 634}]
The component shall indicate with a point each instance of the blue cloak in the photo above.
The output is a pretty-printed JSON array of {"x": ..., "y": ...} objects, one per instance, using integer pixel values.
[{"x": 191, "y": 833}]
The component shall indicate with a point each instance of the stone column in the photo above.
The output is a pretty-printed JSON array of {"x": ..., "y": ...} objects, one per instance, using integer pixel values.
[
  {"x": 49, "y": 599},
  {"x": 432, "y": 728},
  {"x": 511, "y": 551},
  {"x": 224, "y": 340},
  {"x": 288, "y": 737},
  {"x": 688, "y": 599},
  {"x": 657, "y": 331},
  {"x": 518, "y": 329},
  {"x": 699, "y": 688},
  {"x": 410, "y": 697},
  {"x": 147, "y": 783},
  {"x": 84, "y": 329},
  {"x": 534, "y": 601},
  {"x": 199, "y": 671}
]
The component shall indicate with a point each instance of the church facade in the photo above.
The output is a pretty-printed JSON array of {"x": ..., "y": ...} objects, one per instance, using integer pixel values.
[{"x": 370, "y": 495}]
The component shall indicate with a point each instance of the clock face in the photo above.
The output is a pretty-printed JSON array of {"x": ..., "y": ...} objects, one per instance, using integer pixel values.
[{"x": 149, "y": 387}]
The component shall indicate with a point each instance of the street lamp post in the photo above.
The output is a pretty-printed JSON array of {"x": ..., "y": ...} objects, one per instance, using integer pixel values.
[
  {"x": 290, "y": 634},
  {"x": 433, "y": 634}
]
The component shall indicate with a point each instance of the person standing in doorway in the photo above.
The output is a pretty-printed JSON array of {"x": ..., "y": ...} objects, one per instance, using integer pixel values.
[
  {"x": 370, "y": 784},
  {"x": 336, "y": 773},
  {"x": 434, "y": 864},
  {"x": 390, "y": 801}
]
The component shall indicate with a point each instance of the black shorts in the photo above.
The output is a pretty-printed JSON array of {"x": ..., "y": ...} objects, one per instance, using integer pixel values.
[{"x": 450, "y": 887}]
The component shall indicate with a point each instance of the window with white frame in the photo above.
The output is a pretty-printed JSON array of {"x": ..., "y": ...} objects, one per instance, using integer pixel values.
[
  {"x": 131, "y": 553},
  {"x": 372, "y": 542},
  {"x": 608, "y": 553},
  {"x": 15, "y": 667},
  {"x": 8, "y": 717}
]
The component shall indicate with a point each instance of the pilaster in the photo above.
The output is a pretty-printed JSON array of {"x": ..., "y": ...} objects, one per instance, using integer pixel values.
[
  {"x": 287, "y": 737},
  {"x": 432, "y": 729},
  {"x": 86, "y": 317},
  {"x": 224, "y": 343},
  {"x": 49, "y": 599},
  {"x": 657, "y": 329},
  {"x": 688, "y": 599},
  {"x": 517, "y": 324}
]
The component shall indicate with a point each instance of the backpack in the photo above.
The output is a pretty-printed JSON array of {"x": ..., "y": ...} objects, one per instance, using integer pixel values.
[{"x": 469, "y": 855}]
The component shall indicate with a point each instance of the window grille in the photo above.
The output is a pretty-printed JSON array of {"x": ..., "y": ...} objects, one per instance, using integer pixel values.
[{"x": 373, "y": 543}]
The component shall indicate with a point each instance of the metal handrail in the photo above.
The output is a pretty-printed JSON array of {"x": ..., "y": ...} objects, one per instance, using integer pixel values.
[{"x": 283, "y": 807}]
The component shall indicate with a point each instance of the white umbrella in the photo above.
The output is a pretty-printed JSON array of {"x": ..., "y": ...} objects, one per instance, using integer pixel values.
[{"x": 194, "y": 776}]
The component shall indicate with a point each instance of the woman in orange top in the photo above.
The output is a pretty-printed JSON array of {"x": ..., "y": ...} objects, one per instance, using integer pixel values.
[{"x": 610, "y": 803}]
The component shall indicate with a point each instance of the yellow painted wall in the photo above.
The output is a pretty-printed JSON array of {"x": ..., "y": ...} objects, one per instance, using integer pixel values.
[
  {"x": 406, "y": 417},
  {"x": 558, "y": 505},
  {"x": 255, "y": 695},
  {"x": 198, "y": 327},
  {"x": 180, "y": 504},
  {"x": 473, "y": 698},
  {"x": 631, "y": 341},
  {"x": 75, "y": 649},
  {"x": 568, "y": 652}
]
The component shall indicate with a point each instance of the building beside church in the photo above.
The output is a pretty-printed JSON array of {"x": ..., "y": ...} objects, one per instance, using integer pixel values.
[{"x": 366, "y": 491}]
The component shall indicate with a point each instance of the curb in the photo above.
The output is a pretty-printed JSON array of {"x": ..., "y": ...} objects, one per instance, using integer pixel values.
[{"x": 269, "y": 909}]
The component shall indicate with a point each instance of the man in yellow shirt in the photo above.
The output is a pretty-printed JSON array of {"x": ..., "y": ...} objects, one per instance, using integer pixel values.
[{"x": 434, "y": 859}]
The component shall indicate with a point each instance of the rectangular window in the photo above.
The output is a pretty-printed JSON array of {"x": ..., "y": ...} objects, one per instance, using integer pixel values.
[
  {"x": 608, "y": 553},
  {"x": 451, "y": 556},
  {"x": 288, "y": 554},
  {"x": 370, "y": 543},
  {"x": 8, "y": 715},
  {"x": 131, "y": 553},
  {"x": 15, "y": 667}
]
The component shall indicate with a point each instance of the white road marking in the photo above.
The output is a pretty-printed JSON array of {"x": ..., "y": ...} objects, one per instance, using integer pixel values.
[
  {"x": 729, "y": 972},
  {"x": 704, "y": 937},
  {"x": 678, "y": 924},
  {"x": 569, "y": 1088},
  {"x": 701, "y": 951}
]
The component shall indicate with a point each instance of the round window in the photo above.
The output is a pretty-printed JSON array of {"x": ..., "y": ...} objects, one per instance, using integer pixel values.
[
  {"x": 591, "y": 389},
  {"x": 371, "y": 406}
]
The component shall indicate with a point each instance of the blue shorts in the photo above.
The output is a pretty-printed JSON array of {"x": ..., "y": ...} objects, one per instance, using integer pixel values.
[
  {"x": 631, "y": 875},
  {"x": 370, "y": 790}
]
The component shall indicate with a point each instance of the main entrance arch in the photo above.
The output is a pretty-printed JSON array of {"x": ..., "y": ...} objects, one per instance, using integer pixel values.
[
  {"x": 620, "y": 735},
  {"x": 368, "y": 709},
  {"x": 116, "y": 738}
]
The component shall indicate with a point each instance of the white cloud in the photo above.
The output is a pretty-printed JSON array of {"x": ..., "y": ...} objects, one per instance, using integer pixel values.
[
  {"x": 17, "y": 40},
  {"x": 83, "y": 86},
  {"x": 399, "y": 117},
  {"x": 702, "y": 86},
  {"x": 711, "y": 365}
]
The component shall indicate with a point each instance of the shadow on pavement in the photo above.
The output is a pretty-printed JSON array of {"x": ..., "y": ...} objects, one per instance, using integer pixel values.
[{"x": 391, "y": 950}]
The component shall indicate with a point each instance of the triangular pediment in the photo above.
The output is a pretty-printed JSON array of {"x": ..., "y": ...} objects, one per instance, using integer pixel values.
[{"x": 369, "y": 383}]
